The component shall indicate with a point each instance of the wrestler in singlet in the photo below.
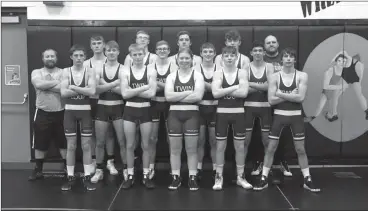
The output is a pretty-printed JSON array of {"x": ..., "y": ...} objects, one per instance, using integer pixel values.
[
  {"x": 287, "y": 113},
  {"x": 256, "y": 104}
]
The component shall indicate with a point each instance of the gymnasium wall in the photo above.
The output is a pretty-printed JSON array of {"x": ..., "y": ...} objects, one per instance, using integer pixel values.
[{"x": 316, "y": 42}]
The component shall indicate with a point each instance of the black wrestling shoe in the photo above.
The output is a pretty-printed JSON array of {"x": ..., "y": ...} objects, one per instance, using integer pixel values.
[
  {"x": 175, "y": 183},
  {"x": 87, "y": 183},
  {"x": 308, "y": 184},
  {"x": 129, "y": 182},
  {"x": 148, "y": 183},
  {"x": 68, "y": 184},
  {"x": 192, "y": 183},
  {"x": 262, "y": 183}
]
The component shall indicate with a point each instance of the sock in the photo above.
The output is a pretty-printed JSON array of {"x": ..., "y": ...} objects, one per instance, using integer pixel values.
[
  {"x": 152, "y": 166},
  {"x": 87, "y": 169},
  {"x": 39, "y": 164},
  {"x": 192, "y": 172},
  {"x": 70, "y": 170},
  {"x": 240, "y": 170},
  {"x": 145, "y": 170},
  {"x": 131, "y": 171},
  {"x": 265, "y": 171},
  {"x": 175, "y": 172},
  {"x": 214, "y": 166},
  {"x": 305, "y": 172},
  {"x": 199, "y": 166},
  {"x": 219, "y": 169}
]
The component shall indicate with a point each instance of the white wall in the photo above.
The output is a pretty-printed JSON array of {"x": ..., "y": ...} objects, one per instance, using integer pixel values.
[{"x": 192, "y": 11}]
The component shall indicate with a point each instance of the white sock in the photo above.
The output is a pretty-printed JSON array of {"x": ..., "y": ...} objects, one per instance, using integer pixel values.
[
  {"x": 219, "y": 169},
  {"x": 240, "y": 170},
  {"x": 192, "y": 172},
  {"x": 87, "y": 169},
  {"x": 214, "y": 166},
  {"x": 265, "y": 171},
  {"x": 70, "y": 170},
  {"x": 152, "y": 166},
  {"x": 199, "y": 166},
  {"x": 175, "y": 172},
  {"x": 305, "y": 172},
  {"x": 131, "y": 171},
  {"x": 146, "y": 170}
]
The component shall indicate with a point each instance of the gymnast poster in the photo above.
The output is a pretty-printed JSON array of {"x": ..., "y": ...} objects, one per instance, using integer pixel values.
[{"x": 336, "y": 102}]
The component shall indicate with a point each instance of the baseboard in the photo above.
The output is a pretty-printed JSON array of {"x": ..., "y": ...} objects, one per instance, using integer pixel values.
[{"x": 28, "y": 166}]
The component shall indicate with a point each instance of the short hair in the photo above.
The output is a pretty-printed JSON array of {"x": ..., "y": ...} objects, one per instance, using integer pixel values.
[
  {"x": 208, "y": 45},
  {"x": 257, "y": 44},
  {"x": 232, "y": 35},
  {"x": 229, "y": 49},
  {"x": 183, "y": 33},
  {"x": 186, "y": 50},
  {"x": 162, "y": 42},
  {"x": 77, "y": 47},
  {"x": 112, "y": 44},
  {"x": 340, "y": 56},
  {"x": 49, "y": 49},
  {"x": 142, "y": 32},
  {"x": 289, "y": 51},
  {"x": 97, "y": 37},
  {"x": 135, "y": 47},
  {"x": 357, "y": 57}
]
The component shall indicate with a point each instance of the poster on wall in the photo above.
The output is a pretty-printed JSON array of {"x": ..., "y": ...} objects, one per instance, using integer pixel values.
[
  {"x": 337, "y": 88},
  {"x": 12, "y": 75}
]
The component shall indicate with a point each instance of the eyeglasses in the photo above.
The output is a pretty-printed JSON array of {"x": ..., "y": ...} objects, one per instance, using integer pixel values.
[{"x": 162, "y": 49}]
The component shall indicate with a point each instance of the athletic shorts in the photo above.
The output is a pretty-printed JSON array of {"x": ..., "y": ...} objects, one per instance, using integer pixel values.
[
  {"x": 47, "y": 127},
  {"x": 207, "y": 115},
  {"x": 108, "y": 113},
  {"x": 183, "y": 122},
  {"x": 137, "y": 115},
  {"x": 263, "y": 113},
  {"x": 296, "y": 124},
  {"x": 158, "y": 108},
  {"x": 236, "y": 120},
  {"x": 74, "y": 117},
  {"x": 93, "y": 103}
]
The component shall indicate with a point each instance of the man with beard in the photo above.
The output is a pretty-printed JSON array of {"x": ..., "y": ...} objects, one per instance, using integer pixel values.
[
  {"x": 49, "y": 115},
  {"x": 184, "y": 41},
  {"x": 272, "y": 56}
]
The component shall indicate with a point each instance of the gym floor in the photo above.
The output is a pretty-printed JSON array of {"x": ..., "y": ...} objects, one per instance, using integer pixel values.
[{"x": 342, "y": 189}]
